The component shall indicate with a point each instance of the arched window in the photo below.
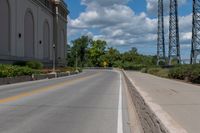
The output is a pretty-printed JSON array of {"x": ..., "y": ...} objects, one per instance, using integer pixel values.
[
  {"x": 4, "y": 27},
  {"x": 29, "y": 34},
  {"x": 46, "y": 38}
]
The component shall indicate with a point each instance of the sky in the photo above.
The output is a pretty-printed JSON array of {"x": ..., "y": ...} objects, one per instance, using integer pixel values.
[{"x": 127, "y": 23}]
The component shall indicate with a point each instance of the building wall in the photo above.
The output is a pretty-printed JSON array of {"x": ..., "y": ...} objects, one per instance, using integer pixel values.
[
  {"x": 62, "y": 38},
  {"x": 43, "y": 19},
  {"x": 40, "y": 16}
]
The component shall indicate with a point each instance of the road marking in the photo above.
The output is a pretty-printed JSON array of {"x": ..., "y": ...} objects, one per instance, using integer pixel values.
[
  {"x": 120, "y": 122},
  {"x": 43, "y": 89}
]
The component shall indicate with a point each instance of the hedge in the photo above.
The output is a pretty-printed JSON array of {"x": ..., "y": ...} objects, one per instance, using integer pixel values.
[
  {"x": 132, "y": 66},
  {"x": 30, "y": 64},
  {"x": 13, "y": 71},
  {"x": 190, "y": 73},
  {"x": 158, "y": 72}
]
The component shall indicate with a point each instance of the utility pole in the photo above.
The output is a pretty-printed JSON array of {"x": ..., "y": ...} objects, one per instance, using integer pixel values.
[
  {"x": 161, "y": 35},
  {"x": 195, "y": 48},
  {"x": 174, "y": 44}
]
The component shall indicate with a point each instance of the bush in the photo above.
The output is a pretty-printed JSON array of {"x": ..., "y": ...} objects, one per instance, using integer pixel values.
[
  {"x": 180, "y": 71},
  {"x": 34, "y": 64},
  {"x": 195, "y": 76},
  {"x": 153, "y": 70},
  {"x": 158, "y": 72},
  {"x": 189, "y": 72},
  {"x": 132, "y": 66},
  {"x": 144, "y": 70},
  {"x": 163, "y": 73},
  {"x": 13, "y": 71},
  {"x": 30, "y": 64},
  {"x": 118, "y": 64}
]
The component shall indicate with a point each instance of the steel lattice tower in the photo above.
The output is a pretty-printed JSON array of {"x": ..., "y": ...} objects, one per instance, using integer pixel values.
[
  {"x": 174, "y": 45},
  {"x": 195, "y": 51},
  {"x": 161, "y": 36}
]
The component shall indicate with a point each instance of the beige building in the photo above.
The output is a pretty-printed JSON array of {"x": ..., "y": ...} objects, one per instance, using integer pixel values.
[{"x": 30, "y": 28}]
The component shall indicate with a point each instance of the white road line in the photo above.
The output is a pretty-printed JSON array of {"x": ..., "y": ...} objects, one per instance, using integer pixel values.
[{"x": 120, "y": 122}]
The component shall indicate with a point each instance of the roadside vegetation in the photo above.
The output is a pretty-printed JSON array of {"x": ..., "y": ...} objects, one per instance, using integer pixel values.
[
  {"x": 14, "y": 71},
  {"x": 86, "y": 52},
  {"x": 28, "y": 68},
  {"x": 188, "y": 73}
]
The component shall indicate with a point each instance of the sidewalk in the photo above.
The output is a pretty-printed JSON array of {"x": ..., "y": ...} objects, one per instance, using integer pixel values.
[{"x": 180, "y": 100}]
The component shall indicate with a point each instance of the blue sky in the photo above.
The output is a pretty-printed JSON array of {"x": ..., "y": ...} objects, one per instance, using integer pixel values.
[{"x": 126, "y": 23}]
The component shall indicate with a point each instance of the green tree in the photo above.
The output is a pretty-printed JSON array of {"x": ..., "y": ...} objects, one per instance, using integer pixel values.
[
  {"x": 96, "y": 50},
  {"x": 112, "y": 55},
  {"x": 79, "y": 50},
  {"x": 94, "y": 53}
]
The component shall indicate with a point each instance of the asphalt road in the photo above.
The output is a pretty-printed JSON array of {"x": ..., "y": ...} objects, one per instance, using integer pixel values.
[
  {"x": 92, "y": 102},
  {"x": 180, "y": 100}
]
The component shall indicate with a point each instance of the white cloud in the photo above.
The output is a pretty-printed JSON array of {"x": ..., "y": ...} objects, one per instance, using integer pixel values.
[
  {"x": 104, "y": 2},
  {"x": 119, "y": 25},
  {"x": 152, "y": 5}
]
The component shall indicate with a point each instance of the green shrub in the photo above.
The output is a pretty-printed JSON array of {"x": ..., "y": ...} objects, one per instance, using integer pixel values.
[
  {"x": 195, "y": 76},
  {"x": 163, "y": 73},
  {"x": 132, "y": 66},
  {"x": 180, "y": 72},
  {"x": 34, "y": 64},
  {"x": 13, "y": 71},
  {"x": 144, "y": 70},
  {"x": 30, "y": 64},
  {"x": 153, "y": 70},
  {"x": 118, "y": 64},
  {"x": 158, "y": 72}
]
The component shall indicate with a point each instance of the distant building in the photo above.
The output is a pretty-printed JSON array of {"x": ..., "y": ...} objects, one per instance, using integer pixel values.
[{"x": 29, "y": 28}]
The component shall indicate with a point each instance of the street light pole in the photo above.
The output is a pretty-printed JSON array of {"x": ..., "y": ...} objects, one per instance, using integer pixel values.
[
  {"x": 76, "y": 61},
  {"x": 54, "y": 57}
]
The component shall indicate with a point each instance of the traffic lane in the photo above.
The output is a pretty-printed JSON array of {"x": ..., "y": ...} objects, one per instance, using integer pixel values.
[
  {"x": 14, "y": 89},
  {"x": 85, "y": 106}
]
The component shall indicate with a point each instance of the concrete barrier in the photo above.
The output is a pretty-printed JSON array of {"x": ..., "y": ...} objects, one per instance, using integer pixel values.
[
  {"x": 12, "y": 80},
  {"x": 63, "y": 74},
  {"x": 153, "y": 119},
  {"x": 43, "y": 76}
]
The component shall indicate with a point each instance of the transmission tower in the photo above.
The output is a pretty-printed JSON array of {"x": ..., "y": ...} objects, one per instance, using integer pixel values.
[
  {"x": 195, "y": 32},
  {"x": 161, "y": 36},
  {"x": 174, "y": 45}
]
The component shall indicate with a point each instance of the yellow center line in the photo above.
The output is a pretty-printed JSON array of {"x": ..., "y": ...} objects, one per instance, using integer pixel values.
[{"x": 43, "y": 89}]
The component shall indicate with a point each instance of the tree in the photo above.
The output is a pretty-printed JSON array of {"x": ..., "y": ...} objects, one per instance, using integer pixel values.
[
  {"x": 111, "y": 56},
  {"x": 79, "y": 50},
  {"x": 96, "y": 50},
  {"x": 95, "y": 53}
]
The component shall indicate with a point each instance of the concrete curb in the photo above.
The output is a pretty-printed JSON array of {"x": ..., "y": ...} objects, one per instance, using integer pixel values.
[{"x": 153, "y": 118}]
